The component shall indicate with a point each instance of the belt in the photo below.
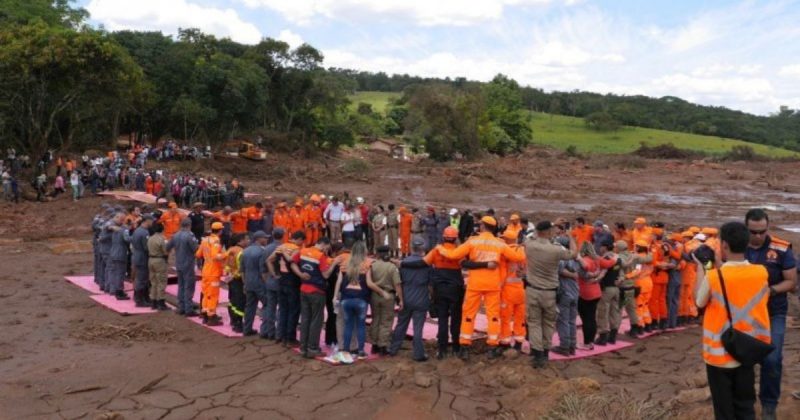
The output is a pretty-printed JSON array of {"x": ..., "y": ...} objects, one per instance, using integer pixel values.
[
  {"x": 159, "y": 257},
  {"x": 543, "y": 290}
]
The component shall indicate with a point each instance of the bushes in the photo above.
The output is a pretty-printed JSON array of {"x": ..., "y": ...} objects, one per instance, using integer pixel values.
[
  {"x": 601, "y": 121},
  {"x": 666, "y": 151},
  {"x": 743, "y": 153}
]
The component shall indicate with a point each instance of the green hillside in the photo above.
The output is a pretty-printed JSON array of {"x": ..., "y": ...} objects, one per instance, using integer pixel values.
[{"x": 562, "y": 131}]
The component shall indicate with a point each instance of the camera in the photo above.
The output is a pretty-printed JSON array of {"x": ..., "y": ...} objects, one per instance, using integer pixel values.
[{"x": 704, "y": 254}]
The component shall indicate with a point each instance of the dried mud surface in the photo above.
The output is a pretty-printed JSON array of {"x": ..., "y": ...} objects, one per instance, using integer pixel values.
[{"x": 63, "y": 356}]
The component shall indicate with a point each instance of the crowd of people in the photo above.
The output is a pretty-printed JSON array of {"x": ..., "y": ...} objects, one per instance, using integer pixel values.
[{"x": 320, "y": 264}]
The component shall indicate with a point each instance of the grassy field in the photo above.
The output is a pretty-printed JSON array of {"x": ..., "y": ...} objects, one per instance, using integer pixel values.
[
  {"x": 378, "y": 100},
  {"x": 561, "y": 132}
]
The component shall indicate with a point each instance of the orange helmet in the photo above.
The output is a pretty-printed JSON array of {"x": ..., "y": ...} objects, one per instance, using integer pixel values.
[
  {"x": 315, "y": 198},
  {"x": 510, "y": 235},
  {"x": 450, "y": 233}
]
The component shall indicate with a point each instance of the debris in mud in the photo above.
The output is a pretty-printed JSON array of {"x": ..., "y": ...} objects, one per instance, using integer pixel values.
[
  {"x": 133, "y": 332},
  {"x": 423, "y": 380}
]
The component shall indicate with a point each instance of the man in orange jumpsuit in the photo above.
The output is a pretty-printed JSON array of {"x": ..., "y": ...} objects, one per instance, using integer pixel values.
[
  {"x": 687, "y": 311},
  {"x": 239, "y": 221},
  {"x": 171, "y": 220},
  {"x": 641, "y": 232},
  {"x": 623, "y": 234},
  {"x": 148, "y": 185},
  {"x": 213, "y": 256},
  {"x": 643, "y": 281},
  {"x": 255, "y": 217},
  {"x": 512, "y": 296},
  {"x": 581, "y": 232},
  {"x": 484, "y": 283},
  {"x": 660, "y": 277},
  {"x": 281, "y": 220},
  {"x": 296, "y": 217},
  {"x": 514, "y": 225},
  {"x": 312, "y": 218},
  {"x": 406, "y": 219}
]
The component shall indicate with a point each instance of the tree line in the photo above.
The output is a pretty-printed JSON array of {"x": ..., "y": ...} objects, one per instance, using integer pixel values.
[{"x": 609, "y": 111}]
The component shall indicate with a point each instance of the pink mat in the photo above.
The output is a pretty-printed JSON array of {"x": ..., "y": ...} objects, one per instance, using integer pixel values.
[
  {"x": 225, "y": 329},
  {"x": 87, "y": 283},
  {"x": 124, "y": 307},
  {"x": 172, "y": 289}
]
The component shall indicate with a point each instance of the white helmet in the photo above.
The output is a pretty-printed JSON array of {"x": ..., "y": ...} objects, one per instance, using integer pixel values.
[{"x": 359, "y": 200}]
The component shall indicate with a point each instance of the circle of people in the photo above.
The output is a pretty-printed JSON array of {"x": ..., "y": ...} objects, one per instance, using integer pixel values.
[{"x": 323, "y": 264}]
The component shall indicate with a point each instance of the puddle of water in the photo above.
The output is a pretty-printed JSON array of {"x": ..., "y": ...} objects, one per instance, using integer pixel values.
[{"x": 791, "y": 228}]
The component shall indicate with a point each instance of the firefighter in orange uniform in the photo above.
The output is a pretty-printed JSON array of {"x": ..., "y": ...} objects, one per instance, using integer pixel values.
[
  {"x": 406, "y": 219},
  {"x": 171, "y": 219},
  {"x": 213, "y": 256},
  {"x": 312, "y": 218},
  {"x": 581, "y": 232},
  {"x": 660, "y": 278},
  {"x": 484, "y": 283},
  {"x": 512, "y": 296},
  {"x": 239, "y": 221},
  {"x": 514, "y": 225},
  {"x": 281, "y": 220},
  {"x": 641, "y": 232},
  {"x": 642, "y": 280},
  {"x": 296, "y": 217},
  {"x": 687, "y": 310}
]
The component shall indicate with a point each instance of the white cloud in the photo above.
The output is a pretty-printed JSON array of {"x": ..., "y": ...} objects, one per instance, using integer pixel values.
[
  {"x": 792, "y": 70},
  {"x": 423, "y": 12},
  {"x": 170, "y": 15},
  {"x": 695, "y": 34},
  {"x": 294, "y": 40},
  {"x": 744, "y": 89}
]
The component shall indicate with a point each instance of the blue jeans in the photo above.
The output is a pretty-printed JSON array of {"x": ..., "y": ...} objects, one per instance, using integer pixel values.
[
  {"x": 268, "y": 312},
  {"x": 771, "y": 367},
  {"x": 254, "y": 294},
  {"x": 355, "y": 316},
  {"x": 565, "y": 323},
  {"x": 186, "y": 284}
]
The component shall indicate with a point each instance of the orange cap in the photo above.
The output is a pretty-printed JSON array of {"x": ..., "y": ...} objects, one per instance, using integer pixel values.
[
  {"x": 677, "y": 237},
  {"x": 641, "y": 220},
  {"x": 489, "y": 220},
  {"x": 687, "y": 234},
  {"x": 695, "y": 230},
  {"x": 216, "y": 226},
  {"x": 709, "y": 231},
  {"x": 315, "y": 198},
  {"x": 510, "y": 235},
  {"x": 450, "y": 233}
]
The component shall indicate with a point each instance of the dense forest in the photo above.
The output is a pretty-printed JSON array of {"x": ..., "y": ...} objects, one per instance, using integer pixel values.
[{"x": 66, "y": 85}]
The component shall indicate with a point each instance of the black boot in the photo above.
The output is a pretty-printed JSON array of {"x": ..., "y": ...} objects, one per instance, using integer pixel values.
[
  {"x": 137, "y": 299},
  {"x": 612, "y": 337},
  {"x": 603, "y": 340},
  {"x": 161, "y": 305},
  {"x": 518, "y": 347},
  {"x": 662, "y": 324},
  {"x": 153, "y": 304},
  {"x": 205, "y": 318},
  {"x": 536, "y": 359},
  {"x": 121, "y": 295},
  {"x": 463, "y": 354},
  {"x": 214, "y": 321},
  {"x": 496, "y": 352}
]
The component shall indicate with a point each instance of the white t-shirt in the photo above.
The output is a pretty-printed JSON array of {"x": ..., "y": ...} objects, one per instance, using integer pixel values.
[
  {"x": 334, "y": 212},
  {"x": 347, "y": 222}
]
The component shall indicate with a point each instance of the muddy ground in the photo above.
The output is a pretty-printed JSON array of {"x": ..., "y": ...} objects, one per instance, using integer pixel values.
[{"x": 63, "y": 356}]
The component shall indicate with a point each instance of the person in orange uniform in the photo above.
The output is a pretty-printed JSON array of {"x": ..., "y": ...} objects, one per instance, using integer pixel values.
[
  {"x": 687, "y": 310},
  {"x": 641, "y": 232},
  {"x": 312, "y": 218},
  {"x": 255, "y": 217},
  {"x": 281, "y": 220},
  {"x": 171, "y": 219},
  {"x": 514, "y": 225},
  {"x": 225, "y": 217},
  {"x": 581, "y": 232},
  {"x": 406, "y": 220},
  {"x": 660, "y": 278},
  {"x": 484, "y": 283},
  {"x": 621, "y": 233},
  {"x": 239, "y": 221},
  {"x": 642, "y": 280},
  {"x": 213, "y": 256},
  {"x": 296, "y": 217},
  {"x": 148, "y": 185},
  {"x": 512, "y": 296}
]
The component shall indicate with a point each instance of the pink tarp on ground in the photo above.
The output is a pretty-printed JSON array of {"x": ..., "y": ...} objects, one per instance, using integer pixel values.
[
  {"x": 172, "y": 289},
  {"x": 124, "y": 307},
  {"x": 87, "y": 283}
]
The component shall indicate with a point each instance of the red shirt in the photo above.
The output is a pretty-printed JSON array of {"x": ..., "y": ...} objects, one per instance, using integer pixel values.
[{"x": 315, "y": 257}]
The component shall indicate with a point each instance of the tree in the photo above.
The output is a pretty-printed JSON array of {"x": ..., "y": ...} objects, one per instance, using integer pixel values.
[
  {"x": 601, "y": 121},
  {"x": 51, "y": 12},
  {"x": 58, "y": 86}
]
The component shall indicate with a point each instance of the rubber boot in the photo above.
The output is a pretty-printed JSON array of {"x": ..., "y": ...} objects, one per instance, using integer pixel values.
[
  {"x": 662, "y": 324},
  {"x": 603, "y": 340},
  {"x": 463, "y": 354},
  {"x": 153, "y": 304},
  {"x": 162, "y": 305},
  {"x": 496, "y": 352},
  {"x": 536, "y": 359},
  {"x": 205, "y": 318},
  {"x": 518, "y": 347},
  {"x": 137, "y": 299},
  {"x": 612, "y": 337},
  {"x": 214, "y": 321}
]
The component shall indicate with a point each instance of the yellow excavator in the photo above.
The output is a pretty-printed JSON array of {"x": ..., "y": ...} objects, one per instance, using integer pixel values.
[{"x": 244, "y": 149}]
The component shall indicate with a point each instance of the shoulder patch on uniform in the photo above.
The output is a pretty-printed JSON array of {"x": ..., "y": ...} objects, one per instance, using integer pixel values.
[{"x": 779, "y": 244}]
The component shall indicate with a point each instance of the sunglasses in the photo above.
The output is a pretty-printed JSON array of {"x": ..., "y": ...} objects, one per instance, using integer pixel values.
[{"x": 758, "y": 232}]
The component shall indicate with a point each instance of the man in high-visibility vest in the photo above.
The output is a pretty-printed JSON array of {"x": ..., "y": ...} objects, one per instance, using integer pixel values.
[
  {"x": 743, "y": 289},
  {"x": 213, "y": 256}
]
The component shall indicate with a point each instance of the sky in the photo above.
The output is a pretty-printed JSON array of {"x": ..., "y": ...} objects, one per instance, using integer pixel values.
[{"x": 738, "y": 54}]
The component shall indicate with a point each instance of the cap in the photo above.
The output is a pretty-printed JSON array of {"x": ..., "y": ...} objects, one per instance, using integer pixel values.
[
  {"x": 315, "y": 198},
  {"x": 453, "y": 212},
  {"x": 198, "y": 204},
  {"x": 418, "y": 242},
  {"x": 640, "y": 220},
  {"x": 701, "y": 237},
  {"x": 260, "y": 235},
  {"x": 514, "y": 216},
  {"x": 217, "y": 226},
  {"x": 621, "y": 246},
  {"x": 511, "y": 235},
  {"x": 322, "y": 196},
  {"x": 489, "y": 220},
  {"x": 360, "y": 200},
  {"x": 172, "y": 205},
  {"x": 450, "y": 233},
  {"x": 599, "y": 223},
  {"x": 694, "y": 229},
  {"x": 383, "y": 249},
  {"x": 709, "y": 231},
  {"x": 687, "y": 234},
  {"x": 677, "y": 237}
]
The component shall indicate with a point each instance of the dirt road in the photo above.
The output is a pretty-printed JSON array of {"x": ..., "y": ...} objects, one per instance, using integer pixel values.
[{"x": 63, "y": 356}]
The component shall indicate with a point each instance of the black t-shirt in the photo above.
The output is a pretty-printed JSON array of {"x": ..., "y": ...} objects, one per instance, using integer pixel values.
[{"x": 611, "y": 275}]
